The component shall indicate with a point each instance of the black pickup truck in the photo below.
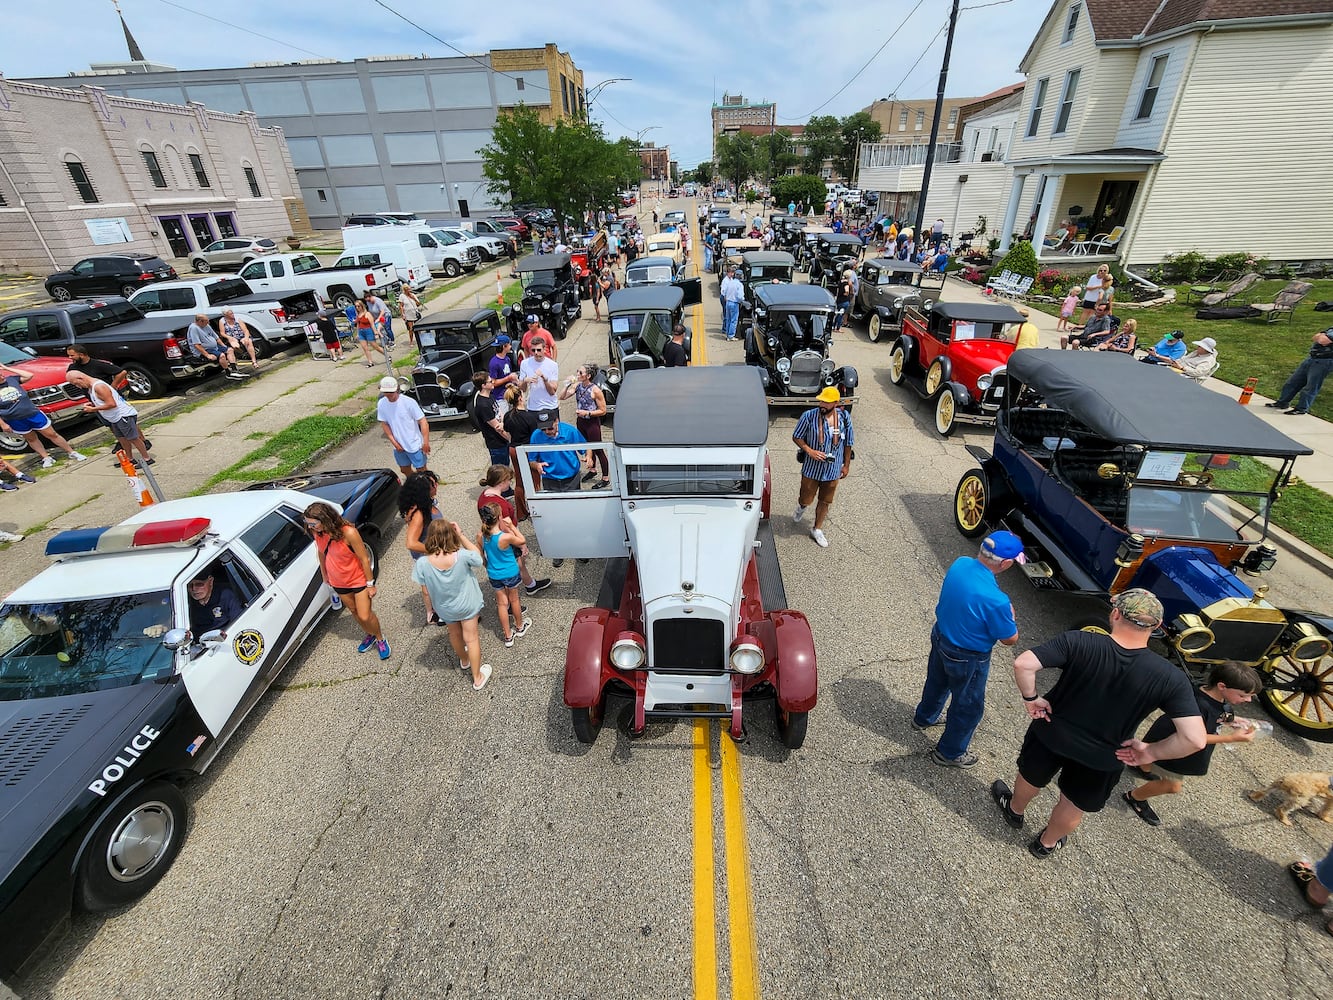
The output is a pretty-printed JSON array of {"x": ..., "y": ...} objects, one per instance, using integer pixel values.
[{"x": 152, "y": 350}]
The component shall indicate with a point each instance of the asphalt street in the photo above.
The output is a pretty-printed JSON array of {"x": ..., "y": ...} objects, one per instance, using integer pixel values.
[{"x": 380, "y": 830}]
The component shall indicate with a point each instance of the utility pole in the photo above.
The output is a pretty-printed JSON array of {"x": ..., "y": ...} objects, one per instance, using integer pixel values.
[{"x": 935, "y": 123}]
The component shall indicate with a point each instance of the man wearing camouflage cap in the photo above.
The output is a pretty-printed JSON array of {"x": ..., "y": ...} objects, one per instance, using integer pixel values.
[{"x": 1083, "y": 728}]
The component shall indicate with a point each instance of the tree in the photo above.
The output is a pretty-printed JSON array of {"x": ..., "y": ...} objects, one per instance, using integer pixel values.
[
  {"x": 856, "y": 129},
  {"x": 737, "y": 157},
  {"x": 775, "y": 154},
  {"x": 569, "y": 167},
  {"x": 703, "y": 173},
  {"x": 803, "y": 188},
  {"x": 822, "y": 140}
]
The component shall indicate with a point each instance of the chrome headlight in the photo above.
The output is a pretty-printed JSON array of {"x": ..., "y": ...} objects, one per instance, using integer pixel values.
[
  {"x": 760, "y": 313},
  {"x": 773, "y": 342},
  {"x": 928, "y": 304},
  {"x": 546, "y": 303},
  {"x": 826, "y": 369},
  {"x": 984, "y": 382},
  {"x": 747, "y": 657},
  {"x": 628, "y": 652},
  {"x": 443, "y": 380},
  {"x": 784, "y": 364},
  {"x": 612, "y": 374},
  {"x": 405, "y": 384},
  {"x": 899, "y": 302}
]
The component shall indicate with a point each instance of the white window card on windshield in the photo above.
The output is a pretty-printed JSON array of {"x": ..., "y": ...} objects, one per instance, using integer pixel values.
[
  {"x": 620, "y": 324},
  {"x": 1162, "y": 466},
  {"x": 964, "y": 331}
]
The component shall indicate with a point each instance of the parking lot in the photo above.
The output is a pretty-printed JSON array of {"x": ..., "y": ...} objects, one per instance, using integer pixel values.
[{"x": 379, "y": 829}]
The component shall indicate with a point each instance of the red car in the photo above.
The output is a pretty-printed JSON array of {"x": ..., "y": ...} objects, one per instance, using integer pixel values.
[
  {"x": 584, "y": 258},
  {"x": 516, "y": 226},
  {"x": 952, "y": 354},
  {"x": 60, "y": 401}
]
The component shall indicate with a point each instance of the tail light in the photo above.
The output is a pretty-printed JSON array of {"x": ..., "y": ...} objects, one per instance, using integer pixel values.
[
  {"x": 171, "y": 348},
  {"x": 370, "y": 280},
  {"x": 145, "y": 276},
  {"x": 279, "y": 314}
]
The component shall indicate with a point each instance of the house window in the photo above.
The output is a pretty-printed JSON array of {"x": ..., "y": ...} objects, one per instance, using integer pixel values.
[
  {"x": 197, "y": 165},
  {"x": 81, "y": 182},
  {"x": 902, "y": 120},
  {"x": 1066, "y": 102},
  {"x": 321, "y": 194},
  {"x": 253, "y": 181},
  {"x": 1038, "y": 99},
  {"x": 920, "y": 120},
  {"x": 518, "y": 83},
  {"x": 154, "y": 168},
  {"x": 953, "y": 118},
  {"x": 1071, "y": 23},
  {"x": 3, "y": 203},
  {"x": 1151, "y": 86}
]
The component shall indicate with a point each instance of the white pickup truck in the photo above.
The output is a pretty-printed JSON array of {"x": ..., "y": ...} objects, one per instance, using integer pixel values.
[
  {"x": 276, "y": 317},
  {"x": 302, "y": 271}
]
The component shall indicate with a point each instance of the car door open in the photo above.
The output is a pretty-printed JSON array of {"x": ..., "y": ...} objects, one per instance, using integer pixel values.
[{"x": 582, "y": 523}]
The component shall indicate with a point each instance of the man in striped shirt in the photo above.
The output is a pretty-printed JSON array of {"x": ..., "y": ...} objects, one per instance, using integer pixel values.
[{"x": 824, "y": 436}]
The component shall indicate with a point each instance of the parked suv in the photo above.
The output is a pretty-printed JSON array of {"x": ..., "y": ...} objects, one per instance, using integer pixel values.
[
  {"x": 112, "y": 275},
  {"x": 233, "y": 252}
]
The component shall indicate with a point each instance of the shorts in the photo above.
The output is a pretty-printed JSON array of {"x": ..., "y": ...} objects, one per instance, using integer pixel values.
[
  {"x": 824, "y": 490},
  {"x": 1086, "y": 787},
  {"x": 508, "y": 584},
  {"x": 416, "y": 459},
  {"x": 368, "y": 335},
  {"x": 350, "y": 590},
  {"x": 37, "y": 422},
  {"x": 126, "y": 428}
]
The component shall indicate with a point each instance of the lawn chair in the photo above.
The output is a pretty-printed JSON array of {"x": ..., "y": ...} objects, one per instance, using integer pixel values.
[
  {"x": 1019, "y": 289},
  {"x": 1284, "y": 301},
  {"x": 1194, "y": 293},
  {"x": 1241, "y": 284},
  {"x": 999, "y": 284},
  {"x": 1059, "y": 243},
  {"x": 1106, "y": 242}
]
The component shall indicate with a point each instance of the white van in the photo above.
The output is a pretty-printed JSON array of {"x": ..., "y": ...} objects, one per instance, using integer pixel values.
[
  {"x": 405, "y": 255},
  {"x": 443, "y": 254}
]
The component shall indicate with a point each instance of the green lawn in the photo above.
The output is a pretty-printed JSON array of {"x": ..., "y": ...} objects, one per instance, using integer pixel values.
[{"x": 1245, "y": 347}]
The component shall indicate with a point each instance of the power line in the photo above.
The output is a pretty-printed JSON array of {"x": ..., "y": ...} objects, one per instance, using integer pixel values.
[
  {"x": 451, "y": 45},
  {"x": 248, "y": 31},
  {"x": 875, "y": 56}
]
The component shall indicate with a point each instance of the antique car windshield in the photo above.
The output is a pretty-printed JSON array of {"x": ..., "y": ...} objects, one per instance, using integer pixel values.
[
  {"x": 1175, "y": 495},
  {"x": 69, "y": 647},
  {"x": 770, "y": 272},
  {"x": 650, "y": 275},
  {"x": 463, "y": 337},
  {"x": 537, "y": 279},
  {"x": 695, "y": 480}
]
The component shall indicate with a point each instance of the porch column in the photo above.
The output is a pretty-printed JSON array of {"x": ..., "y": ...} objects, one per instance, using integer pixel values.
[
  {"x": 1011, "y": 210},
  {"x": 1047, "y": 188}
]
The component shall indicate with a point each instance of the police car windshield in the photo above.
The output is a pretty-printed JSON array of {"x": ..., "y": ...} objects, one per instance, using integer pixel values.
[{"x": 70, "y": 647}]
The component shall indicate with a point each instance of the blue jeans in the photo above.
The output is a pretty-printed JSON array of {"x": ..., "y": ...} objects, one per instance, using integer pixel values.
[
  {"x": 960, "y": 673},
  {"x": 730, "y": 314},
  {"x": 708, "y": 257},
  {"x": 1307, "y": 379},
  {"x": 1323, "y": 870}
]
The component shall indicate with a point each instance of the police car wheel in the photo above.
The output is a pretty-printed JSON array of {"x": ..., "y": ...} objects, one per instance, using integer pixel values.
[{"x": 132, "y": 847}]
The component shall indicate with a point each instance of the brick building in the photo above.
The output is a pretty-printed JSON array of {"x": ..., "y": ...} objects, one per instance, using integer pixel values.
[
  {"x": 735, "y": 111},
  {"x": 654, "y": 162}
]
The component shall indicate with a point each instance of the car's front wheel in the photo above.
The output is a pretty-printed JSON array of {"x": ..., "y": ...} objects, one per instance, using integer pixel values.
[
  {"x": 875, "y": 328},
  {"x": 791, "y": 726},
  {"x": 946, "y": 412},
  {"x": 452, "y": 269},
  {"x": 970, "y": 503},
  {"x": 588, "y": 721},
  {"x": 132, "y": 847},
  {"x": 1299, "y": 696},
  {"x": 60, "y": 293},
  {"x": 897, "y": 363}
]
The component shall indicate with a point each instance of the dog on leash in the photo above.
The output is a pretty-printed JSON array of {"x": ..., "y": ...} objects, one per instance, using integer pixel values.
[{"x": 1299, "y": 789}]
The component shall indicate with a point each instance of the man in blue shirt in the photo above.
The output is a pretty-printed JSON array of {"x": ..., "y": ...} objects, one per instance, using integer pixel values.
[
  {"x": 825, "y": 439},
  {"x": 972, "y": 614},
  {"x": 1170, "y": 348},
  {"x": 560, "y": 469}
]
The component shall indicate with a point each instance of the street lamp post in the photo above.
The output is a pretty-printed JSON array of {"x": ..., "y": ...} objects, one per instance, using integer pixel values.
[{"x": 590, "y": 94}]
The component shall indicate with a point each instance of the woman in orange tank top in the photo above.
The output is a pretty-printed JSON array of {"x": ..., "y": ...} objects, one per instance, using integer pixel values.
[{"x": 344, "y": 561}]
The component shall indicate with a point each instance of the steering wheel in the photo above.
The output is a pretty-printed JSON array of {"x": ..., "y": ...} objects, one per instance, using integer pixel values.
[{"x": 1194, "y": 478}]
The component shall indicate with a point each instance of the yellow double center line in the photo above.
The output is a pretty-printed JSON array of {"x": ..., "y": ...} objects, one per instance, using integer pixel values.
[{"x": 740, "y": 903}]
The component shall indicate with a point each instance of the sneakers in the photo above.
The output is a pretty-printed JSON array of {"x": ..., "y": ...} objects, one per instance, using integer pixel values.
[
  {"x": 509, "y": 641},
  {"x": 366, "y": 643},
  {"x": 800, "y": 513},
  {"x": 1275, "y": 405},
  {"x": 485, "y": 677},
  {"x": 74, "y": 455},
  {"x": 23, "y": 477},
  {"x": 929, "y": 725},
  {"x": 819, "y": 538},
  {"x": 965, "y": 759},
  {"x": 48, "y": 462},
  {"x": 335, "y": 601},
  {"x": 1039, "y": 850},
  {"x": 1000, "y": 792},
  {"x": 519, "y": 633},
  {"x": 1142, "y": 810},
  {"x": 1295, "y": 412},
  {"x": 589, "y": 476},
  {"x": 9, "y": 536},
  {"x": 538, "y": 585},
  {"x": 382, "y": 647},
  {"x": 8, "y": 487}
]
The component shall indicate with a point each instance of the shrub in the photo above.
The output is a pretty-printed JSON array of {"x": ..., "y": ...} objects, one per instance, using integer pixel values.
[
  {"x": 1185, "y": 266},
  {"x": 804, "y": 188},
  {"x": 1021, "y": 260},
  {"x": 1047, "y": 279}
]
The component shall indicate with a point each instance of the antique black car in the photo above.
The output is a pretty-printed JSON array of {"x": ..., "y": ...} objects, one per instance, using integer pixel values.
[
  {"x": 787, "y": 231},
  {"x": 451, "y": 346},
  {"x": 804, "y": 250},
  {"x": 661, "y": 271},
  {"x": 764, "y": 267},
  {"x": 834, "y": 253},
  {"x": 726, "y": 229},
  {"x": 788, "y": 340},
  {"x": 886, "y": 290},
  {"x": 1117, "y": 478},
  {"x": 550, "y": 292},
  {"x": 641, "y": 323}
]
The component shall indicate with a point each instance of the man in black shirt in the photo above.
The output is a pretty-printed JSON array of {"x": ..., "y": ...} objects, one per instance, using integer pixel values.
[
  {"x": 1083, "y": 729},
  {"x": 211, "y": 607},
  {"x": 101, "y": 371},
  {"x": 486, "y": 418},
  {"x": 673, "y": 354}
]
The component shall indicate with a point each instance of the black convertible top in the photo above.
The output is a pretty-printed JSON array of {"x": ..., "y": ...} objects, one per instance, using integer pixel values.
[
  {"x": 456, "y": 317},
  {"x": 542, "y": 262},
  {"x": 646, "y": 298},
  {"x": 1147, "y": 404},
  {"x": 980, "y": 312},
  {"x": 711, "y": 406},
  {"x": 840, "y": 239},
  {"x": 784, "y": 295},
  {"x": 768, "y": 258}
]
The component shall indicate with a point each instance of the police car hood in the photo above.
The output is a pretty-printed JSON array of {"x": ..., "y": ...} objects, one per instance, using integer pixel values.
[
  {"x": 705, "y": 544},
  {"x": 51, "y": 748}
]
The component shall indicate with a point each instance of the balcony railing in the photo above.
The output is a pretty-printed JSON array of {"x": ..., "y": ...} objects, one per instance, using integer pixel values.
[{"x": 884, "y": 154}]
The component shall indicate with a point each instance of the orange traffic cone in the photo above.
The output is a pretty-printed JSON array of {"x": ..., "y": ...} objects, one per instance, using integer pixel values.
[
  {"x": 138, "y": 489},
  {"x": 499, "y": 289},
  {"x": 1247, "y": 393}
]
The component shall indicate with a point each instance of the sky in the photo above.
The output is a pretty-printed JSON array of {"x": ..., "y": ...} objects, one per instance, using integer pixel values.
[{"x": 808, "y": 56}]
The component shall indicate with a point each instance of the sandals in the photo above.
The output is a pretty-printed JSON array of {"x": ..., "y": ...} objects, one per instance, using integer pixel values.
[
  {"x": 1303, "y": 875},
  {"x": 485, "y": 677}
]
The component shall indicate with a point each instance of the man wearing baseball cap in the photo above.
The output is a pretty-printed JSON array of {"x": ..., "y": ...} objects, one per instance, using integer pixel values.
[
  {"x": 1083, "y": 729},
  {"x": 1166, "y": 351},
  {"x": 536, "y": 331},
  {"x": 971, "y": 615},
  {"x": 824, "y": 437},
  {"x": 404, "y": 425},
  {"x": 501, "y": 368}
]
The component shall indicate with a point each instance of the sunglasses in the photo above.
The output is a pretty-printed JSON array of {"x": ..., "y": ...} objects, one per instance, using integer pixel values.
[{"x": 315, "y": 526}]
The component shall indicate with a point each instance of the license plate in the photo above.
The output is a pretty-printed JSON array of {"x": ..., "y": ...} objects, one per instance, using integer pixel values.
[{"x": 998, "y": 392}]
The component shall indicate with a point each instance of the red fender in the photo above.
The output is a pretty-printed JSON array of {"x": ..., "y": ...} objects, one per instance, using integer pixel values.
[
  {"x": 767, "y": 499},
  {"x": 584, "y": 657},
  {"x": 797, "y": 680}
]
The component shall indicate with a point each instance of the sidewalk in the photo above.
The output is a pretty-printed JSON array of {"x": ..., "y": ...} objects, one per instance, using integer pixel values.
[{"x": 202, "y": 434}]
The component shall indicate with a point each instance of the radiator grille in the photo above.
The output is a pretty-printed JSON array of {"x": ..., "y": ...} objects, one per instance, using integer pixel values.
[
  {"x": 805, "y": 377},
  {"x": 688, "y": 644}
]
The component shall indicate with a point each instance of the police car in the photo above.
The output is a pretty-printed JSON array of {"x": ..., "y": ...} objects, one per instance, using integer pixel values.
[{"x": 118, "y": 684}]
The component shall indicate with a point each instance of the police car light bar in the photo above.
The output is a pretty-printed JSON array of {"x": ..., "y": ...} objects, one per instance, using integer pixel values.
[{"x": 178, "y": 533}]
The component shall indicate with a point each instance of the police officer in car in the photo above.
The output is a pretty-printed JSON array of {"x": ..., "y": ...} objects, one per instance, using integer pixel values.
[{"x": 211, "y": 607}]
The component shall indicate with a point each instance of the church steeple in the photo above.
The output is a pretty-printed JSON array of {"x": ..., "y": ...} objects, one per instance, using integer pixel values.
[{"x": 136, "y": 53}]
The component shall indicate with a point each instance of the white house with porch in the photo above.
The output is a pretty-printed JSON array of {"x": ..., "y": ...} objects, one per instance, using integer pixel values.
[{"x": 1176, "y": 125}]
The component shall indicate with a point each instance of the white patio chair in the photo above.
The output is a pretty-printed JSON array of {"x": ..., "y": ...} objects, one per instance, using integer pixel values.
[
  {"x": 998, "y": 284},
  {"x": 1106, "y": 242}
]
